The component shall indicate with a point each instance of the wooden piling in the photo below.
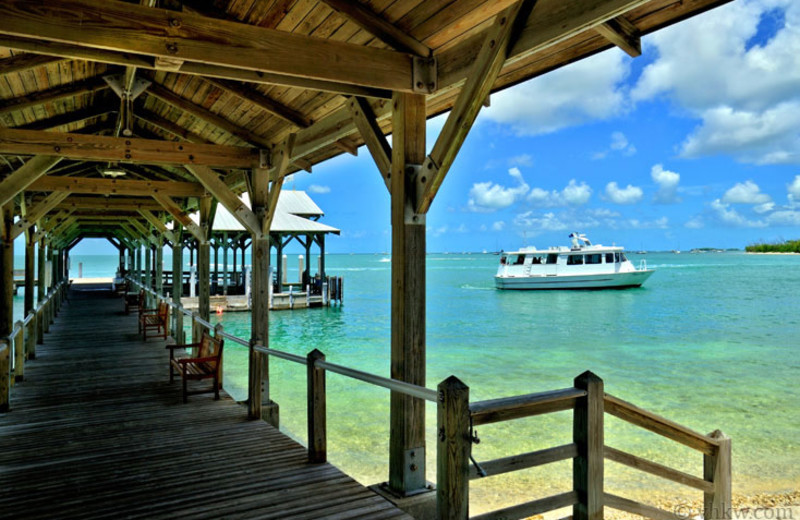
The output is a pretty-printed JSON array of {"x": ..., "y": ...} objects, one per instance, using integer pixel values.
[
  {"x": 453, "y": 450},
  {"x": 587, "y": 434},
  {"x": 19, "y": 353},
  {"x": 30, "y": 337},
  {"x": 317, "y": 427},
  {"x": 717, "y": 470},
  {"x": 5, "y": 375}
]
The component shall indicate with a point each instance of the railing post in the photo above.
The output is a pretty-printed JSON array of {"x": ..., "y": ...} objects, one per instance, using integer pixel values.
[
  {"x": 717, "y": 469},
  {"x": 179, "y": 336},
  {"x": 453, "y": 450},
  {"x": 587, "y": 434},
  {"x": 317, "y": 426},
  {"x": 30, "y": 337},
  {"x": 5, "y": 375},
  {"x": 19, "y": 352}
]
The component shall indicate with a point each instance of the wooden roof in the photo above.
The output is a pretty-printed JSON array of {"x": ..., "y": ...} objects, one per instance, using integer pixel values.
[{"x": 225, "y": 83}]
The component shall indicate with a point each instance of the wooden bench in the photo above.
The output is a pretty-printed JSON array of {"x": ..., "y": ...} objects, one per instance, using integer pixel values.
[
  {"x": 207, "y": 364},
  {"x": 134, "y": 301},
  {"x": 154, "y": 319}
]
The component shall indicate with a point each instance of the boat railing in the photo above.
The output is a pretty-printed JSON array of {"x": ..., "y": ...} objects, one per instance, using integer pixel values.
[
  {"x": 643, "y": 265},
  {"x": 457, "y": 418}
]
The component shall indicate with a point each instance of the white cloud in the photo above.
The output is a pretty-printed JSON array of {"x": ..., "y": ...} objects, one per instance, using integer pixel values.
[
  {"x": 486, "y": 197},
  {"x": 498, "y": 226},
  {"x": 784, "y": 218},
  {"x": 794, "y": 190},
  {"x": 628, "y": 195},
  {"x": 667, "y": 185},
  {"x": 316, "y": 188},
  {"x": 764, "y": 208},
  {"x": 696, "y": 222},
  {"x": 729, "y": 216},
  {"x": 746, "y": 192},
  {"x": 587, "y": 90},
  {"x": 524, "y": 159},
  {"x": 746, "y": 95},
  {"x": 620, "y": 144},
  {"x": 573, "y": 194}
]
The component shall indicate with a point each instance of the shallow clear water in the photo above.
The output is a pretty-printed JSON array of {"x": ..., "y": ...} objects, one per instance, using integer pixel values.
[{"x": 710, "y": 341}]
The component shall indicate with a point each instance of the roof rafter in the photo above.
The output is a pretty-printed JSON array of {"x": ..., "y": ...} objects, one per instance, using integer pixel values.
[
  {"x": 88, "y": 86},
  {"x": 117, "y": 186}
]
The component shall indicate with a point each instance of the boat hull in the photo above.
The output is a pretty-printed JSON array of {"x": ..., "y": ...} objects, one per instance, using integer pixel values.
[{"x": 578, "y": 281}]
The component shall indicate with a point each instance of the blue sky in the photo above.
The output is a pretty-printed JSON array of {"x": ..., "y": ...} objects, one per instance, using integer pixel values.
[{"x": 696, "y": 143}]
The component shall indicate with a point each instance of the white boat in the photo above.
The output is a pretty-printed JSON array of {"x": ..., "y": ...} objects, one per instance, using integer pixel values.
[{"x": 582, "y": 266}]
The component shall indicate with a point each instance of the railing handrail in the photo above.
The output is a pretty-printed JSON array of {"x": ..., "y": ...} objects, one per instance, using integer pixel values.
[
  {"x": 661, "y": 425},
  {"x": 515, "y": 407}
]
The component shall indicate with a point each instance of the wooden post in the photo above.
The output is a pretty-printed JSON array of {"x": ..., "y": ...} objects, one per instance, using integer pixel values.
[
  {"x": 30, "y": 274},
  {"x": 204, "y": 261},
  {"x": 219, "y": 329},
  {"x": 717, "y": 469},
  {"x": 408, "y": 296},
  {"x": 5, "y": 375},
  {"x": 6, "y": 271},
  {"x": 177, "y": 283},
  {"x": 317, "y": 426},
  {"x": 139, "y": 262},
  {"x": 587, "y": 434},
  {"x": 160, "y": 265},
  {"x": 225, "y": 263},
  {"x": 30, "y": 337},
  {"x": 19, "y": 354},
  {"x": 453, "y": 450},
  {"x": 40, "y": 270},
  {"x": 259, "y": 373},
  {"x": 148, "y": 276},
  {"x": 39, "y": 328}
]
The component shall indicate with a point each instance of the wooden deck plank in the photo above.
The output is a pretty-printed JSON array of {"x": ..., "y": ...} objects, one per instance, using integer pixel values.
[{"x": 97, "y": 431}]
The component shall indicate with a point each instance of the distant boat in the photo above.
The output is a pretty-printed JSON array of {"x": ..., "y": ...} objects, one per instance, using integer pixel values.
[
  {"x": 583, "y": 266},
  {"x": 676, "y": 251}
]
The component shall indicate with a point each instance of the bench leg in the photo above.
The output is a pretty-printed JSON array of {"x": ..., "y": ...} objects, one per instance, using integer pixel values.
[{"x": 216, "y": 388}]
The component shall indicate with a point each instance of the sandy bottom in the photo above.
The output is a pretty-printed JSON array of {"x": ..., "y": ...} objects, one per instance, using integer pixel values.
[{"x": 84, "y": 281}]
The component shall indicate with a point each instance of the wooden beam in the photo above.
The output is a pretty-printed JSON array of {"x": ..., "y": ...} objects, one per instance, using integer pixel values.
[
  {"x": 623, "y": 34},
  {"x": 117, "y": 186},
  {"x": 180, "y": 215},
  {"x": 43, "y": 228},
  {"x": 281, "y": 162},
  {"x": 487, "y": 66},
  {"x": 230, "y": 200},
  {"x": 252, "y": 95},
  {"x": 89, "y": 86},
  {"x": 35, "y": 213},
  {"x": 383, "y": 30},
  {"x": 75, "y": 116},
  {"x": 377, "y": 144},
  {"x": 62, "y": 50},
  {"x": 23, "y": 62},
  {"x": 550, "y": 22},
  {"x": 171, "y": 98},
  {"x": 125, "y": 27},
  {"x": 158, "y": 224},
  {"x": 110, "y": 204},
  {"x": 101, "y": 148},
  {"x": 24, "y": 176}
]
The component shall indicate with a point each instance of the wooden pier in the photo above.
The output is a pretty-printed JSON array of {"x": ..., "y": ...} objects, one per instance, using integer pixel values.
[{"x": 96, "y": 430}]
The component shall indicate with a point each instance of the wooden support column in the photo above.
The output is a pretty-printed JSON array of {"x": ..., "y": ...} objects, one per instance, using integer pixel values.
[
  {"x": 717, "y": 469},
  {"x": 225, "y": 263},
  {"x": 6, "y": 270},
  {"x": 148, "y": 274},
  {"x": 452, "y": 453},
  {"x": 316, "y": 409},
  {"x": 587, "y": 434},
  {"x": 177, "y": 281},
  {"x": 204, "y": 260},
  {"x": 40, "y": 291},
  {"x": 138, "y": 262},
  {"x": 160, "y": 264},
  {"x": 30, "y": 274},
  {"x": 407, "y": 441}
]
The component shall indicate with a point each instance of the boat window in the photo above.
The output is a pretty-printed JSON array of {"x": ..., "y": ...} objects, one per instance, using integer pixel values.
[
  {"x": 594, "y": 259},
  {"x": 538, "y": 259},
  {"x": 622, "y": 257},
  {"x": 520, "y": 260},
  {"x": 552, "y": 259},
  {"x": 503, "y": 260},
  {"x": 609, "y": 258},
  {"x": 575, "y": 260},
  {"x": 616, "y": 257}
]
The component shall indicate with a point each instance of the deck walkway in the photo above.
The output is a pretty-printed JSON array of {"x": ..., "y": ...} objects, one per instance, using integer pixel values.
[{"x": 97, "y": 431}]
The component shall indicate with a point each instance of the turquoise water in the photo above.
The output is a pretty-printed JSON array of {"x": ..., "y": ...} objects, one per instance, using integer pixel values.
[{"x": 710, "y": 341}]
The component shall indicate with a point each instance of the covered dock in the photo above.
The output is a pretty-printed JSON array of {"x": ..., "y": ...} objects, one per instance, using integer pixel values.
[{"x": 120, "y": 119}]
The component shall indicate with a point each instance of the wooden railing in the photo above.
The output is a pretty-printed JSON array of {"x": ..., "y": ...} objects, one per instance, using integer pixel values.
[
  {"x": 20, "y": 345},
  {"x": 457, "y": 417}
]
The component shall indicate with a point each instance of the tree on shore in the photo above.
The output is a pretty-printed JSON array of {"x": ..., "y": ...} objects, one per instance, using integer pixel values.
[{"x": 789, "y": 246}]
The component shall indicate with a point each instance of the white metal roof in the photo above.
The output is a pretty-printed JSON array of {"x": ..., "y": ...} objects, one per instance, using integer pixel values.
[{"x": 293, "y": 207}]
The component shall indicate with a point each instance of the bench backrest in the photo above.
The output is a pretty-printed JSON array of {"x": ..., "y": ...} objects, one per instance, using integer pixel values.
[
  {"x": 210, "y": 347},
  {"x": 162, "y": 310}
]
